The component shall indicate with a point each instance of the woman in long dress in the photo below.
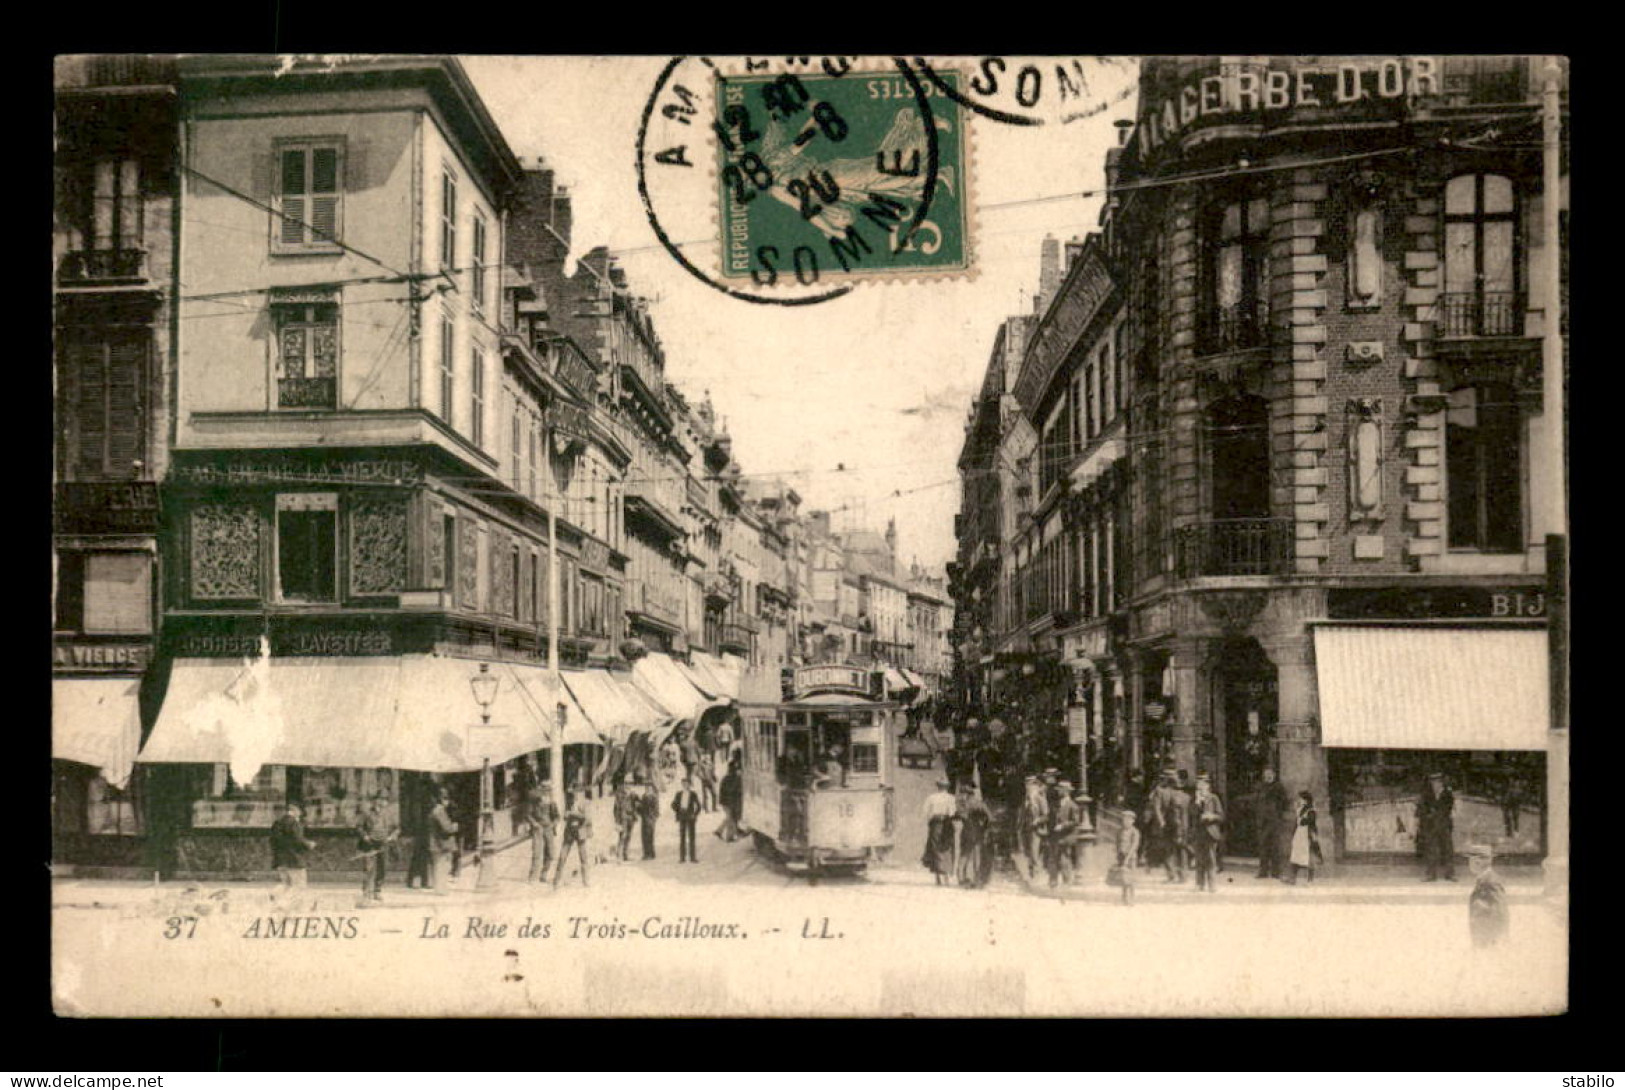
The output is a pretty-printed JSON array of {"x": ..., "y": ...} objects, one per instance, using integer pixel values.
[{"x": 1305, "y": 839}]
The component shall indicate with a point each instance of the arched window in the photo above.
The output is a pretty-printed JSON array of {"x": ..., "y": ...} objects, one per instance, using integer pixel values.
[{"x": 1480, "y": 257}]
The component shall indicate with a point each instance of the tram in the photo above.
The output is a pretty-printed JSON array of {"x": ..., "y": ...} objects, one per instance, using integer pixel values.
[{"x": 817, "y": 768}]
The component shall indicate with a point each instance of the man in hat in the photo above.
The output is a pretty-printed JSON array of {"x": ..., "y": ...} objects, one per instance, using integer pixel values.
[
  {"x": 289, "y": 846},
  {"x": 1272, "y": 804},
  {"x": 686, "y": 806},
  {"x": 1435, "y": 829},
  {"x": 442, "y": 840},
  {"x": 1170, "y": 808},
  {"x": 1034, "y": 824},
  {"x": 374, "y": 832},
  {"x": 1207, "y": 827},
  {"x": 541, "y": 819},
  {"x": 577, "y": 834},
  {"x": 1487, "y": 916}
]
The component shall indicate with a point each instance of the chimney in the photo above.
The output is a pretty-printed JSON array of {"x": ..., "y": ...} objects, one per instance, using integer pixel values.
[
  {"x": 1074, "y": 250},
  {"x": 1049, "y": 273},
  {"x": 561, "y": 218}
]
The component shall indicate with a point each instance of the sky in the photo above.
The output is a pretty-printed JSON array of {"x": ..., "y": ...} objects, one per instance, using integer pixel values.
[{"x": 858, "y": 403}]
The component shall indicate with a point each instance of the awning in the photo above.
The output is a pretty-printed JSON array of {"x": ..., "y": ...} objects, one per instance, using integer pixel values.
[
  {"x": 1397, "y": 687},
  {"x": 658, "y": 676},
  {"x": 415, "y": 712},
  {"x": 894, "y": 680},
  {"x": 536, "y": 685},
  {"x": 697, "y": 677},
  {"x": 613, "y": 707},
  {"x": 914, "y": 680},
  {"x": 97, "y": 721}
]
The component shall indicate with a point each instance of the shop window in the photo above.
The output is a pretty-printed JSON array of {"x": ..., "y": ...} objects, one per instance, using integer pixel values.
[
  {"x": 1480, "y": 257},
  {"x": 110, "y": 811},
  {"x": 307, "y": 355},
  {"x": 103, "y": 406},
  {"x": 307, "y": 547},
  {"x": 1236, "y": 278},
  {"x": 1483, "y": 444},
  {"x": 309, "y": 197}
]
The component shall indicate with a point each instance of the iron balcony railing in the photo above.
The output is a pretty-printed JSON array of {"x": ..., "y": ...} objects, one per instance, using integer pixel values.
[
  {"x": 1241, "y": 325},
  {"x": 103, "y": 266},
  {"x": 1234, "y": 547},
  {"x": 307, "y": 393},
  {"x": 1478, "y": 314}
]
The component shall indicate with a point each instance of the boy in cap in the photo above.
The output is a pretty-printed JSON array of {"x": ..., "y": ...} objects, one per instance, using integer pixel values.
[{"x": 1487, "y": 915}]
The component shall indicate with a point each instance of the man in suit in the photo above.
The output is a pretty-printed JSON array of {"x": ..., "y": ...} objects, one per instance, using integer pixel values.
[
  {"x": 627, "y": 805},
  {"x": 1435, "y": 829},
  {"x": 374, "y": 832},
  {"x": 442, "y": 841},
  {"x": 577, "y": 835},
  {"x": 1272, "y": 804},
  {"x": 1172, "y": 808},
  {"x": 541, "y": 818},
  {"x": 1207, "y": 828},
  {"x": 686, "y": 806},
  {"x": 649, "y": 813}
]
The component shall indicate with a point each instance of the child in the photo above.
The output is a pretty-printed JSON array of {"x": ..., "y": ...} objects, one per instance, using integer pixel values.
[
  {"x": 1487, "y": 916},
  {"x": 1128, "y": 851}
]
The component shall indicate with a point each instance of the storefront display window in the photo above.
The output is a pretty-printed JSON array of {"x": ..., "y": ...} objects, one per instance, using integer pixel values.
[{"x": 1499, "y": 798}]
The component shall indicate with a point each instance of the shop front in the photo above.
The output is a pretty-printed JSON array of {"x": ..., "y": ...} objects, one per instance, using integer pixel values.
[
  {"x": 1400, "y": 702},
  {"x": 95, "y": 797},
  {"x": 237, "y": 740}
]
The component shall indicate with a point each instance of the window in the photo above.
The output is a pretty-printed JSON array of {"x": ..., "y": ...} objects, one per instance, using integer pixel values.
[
  {"x": 307, "y": 547},
  {"x": 1480, "y": 257},
  {"x": 1482, "y": 473},
  {"x": 866, "y": 758},
  {"x": 1119, "y": 354},
  {"x": 1108, "y": 399},
  {"x": 1237, "y": 280},
  {"x": 111, "y": 217},
  {"x": 308, "y": 197},
  {"x": 106, "y": 593},
  {"x": 477, "y": 398},
  {"x": 307, "y": 355},
  {"x": 448, "y": 369},
  {"x": 477, "y": 273},
  {"x": 104, "y": 398},
  {"x": 515, "y": 575},
  {"x": 448, "y": 542},
  {"x": 448, "y": 221},
  {"x": 515, "y": 441},
  {"x": 535, "y": 430}
]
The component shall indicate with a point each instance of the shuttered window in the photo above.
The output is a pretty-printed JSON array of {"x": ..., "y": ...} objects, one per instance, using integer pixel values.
[
  {"x": 477, "y": 398},
  {"x": 309, "y": 196},
  {"x": 105, "y": 400},
  {"x": 477, "y": 273},
  {"x": 448, "y": 221}
]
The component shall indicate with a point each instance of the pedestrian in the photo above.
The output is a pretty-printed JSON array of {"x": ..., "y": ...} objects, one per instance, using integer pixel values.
[
  {"x": 577, "y": 835},
  {"x": 707, "y": 775},
  {"x": 685, "y": 804},
  {"x": 442, "y": 841},
  {"x": 1033, "y": 824},
  {"x": 939, "y": 810},
  {"x": 375, "y": 830},
  {"x": 1272, "y": 804},
  {"x": 973, "y": 820},
  {"x": 1435, "y": 829},
  {"x": 732, "y": 796},
  {"x": 541, "y": 821},
  {"x": 648, "y": 814},
  {"x": 725, "y": 740},
  {"x": 1207, "y": 829},
  {"x": 1488, "y": 919},
  {"x": 627, "y": 806},
  {"x": 1128, "y": 855},
  {"x": 1171, "y": 810},
  {"x": 289, "y": 845},
  {"x": 417, "y": 871},
  {"x": 1305, "y": 839},
  {"x": 1063, "y": 832}
]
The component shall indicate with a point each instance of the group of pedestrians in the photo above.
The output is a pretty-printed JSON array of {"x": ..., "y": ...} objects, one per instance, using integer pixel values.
[{"x": 959, "y": 836}]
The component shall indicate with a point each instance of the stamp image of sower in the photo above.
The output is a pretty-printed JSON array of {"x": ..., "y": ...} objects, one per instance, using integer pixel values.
[{"x": 827, "y": 178}]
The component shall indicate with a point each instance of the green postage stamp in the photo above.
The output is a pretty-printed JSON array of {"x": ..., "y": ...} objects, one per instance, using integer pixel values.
[{"x": 830, "y": 179}]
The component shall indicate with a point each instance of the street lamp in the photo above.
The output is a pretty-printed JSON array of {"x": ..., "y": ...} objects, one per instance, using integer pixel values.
[{"x": 484, "y": 685}]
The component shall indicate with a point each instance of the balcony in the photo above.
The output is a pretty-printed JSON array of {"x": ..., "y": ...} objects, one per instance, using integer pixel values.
[
  {"x": 655, "y": 601},
  {"x": 86, "y": 268},
  {"x": 1479, "y": 314},
  {"x": 736, "y": 638},
  {"x": 1234, "y": 547},
  {"x": 1235, "y": 328},
  {"x": 718, "y": 588}
]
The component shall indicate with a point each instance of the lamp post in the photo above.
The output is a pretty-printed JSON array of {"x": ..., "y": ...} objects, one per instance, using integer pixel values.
[{"x": 484, "y": 685}]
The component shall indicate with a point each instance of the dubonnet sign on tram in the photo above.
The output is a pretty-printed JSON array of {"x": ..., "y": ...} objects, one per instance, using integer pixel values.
[{"x": 829, "y": 679}]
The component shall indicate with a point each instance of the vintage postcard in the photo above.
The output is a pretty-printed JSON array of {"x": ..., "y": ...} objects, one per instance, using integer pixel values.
[{"x": 809, "y": 535}]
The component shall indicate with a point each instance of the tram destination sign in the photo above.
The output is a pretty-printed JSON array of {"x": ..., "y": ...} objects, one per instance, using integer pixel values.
[{"x": 808, "y": 680}]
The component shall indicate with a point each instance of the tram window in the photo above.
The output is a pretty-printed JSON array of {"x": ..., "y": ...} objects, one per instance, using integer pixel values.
[{"x": 866, "y": 758}]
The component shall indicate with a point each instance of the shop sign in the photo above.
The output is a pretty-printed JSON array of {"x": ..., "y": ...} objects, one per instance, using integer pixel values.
[
  {"x": 594, "y": 555},
  {"x": 102, "y": 656},
  {"x": 1252, "y": 92},
  {"x": 84, "y": 507},
  {"x": 821, "y": 679},
  {"x": 1077, "y": 725},
  {"x": 284, "y": 470},
  {"x": 340, "y": 642}
]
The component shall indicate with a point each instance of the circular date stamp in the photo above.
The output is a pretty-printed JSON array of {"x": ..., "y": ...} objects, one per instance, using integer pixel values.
[{"x": 787, "y": 181}]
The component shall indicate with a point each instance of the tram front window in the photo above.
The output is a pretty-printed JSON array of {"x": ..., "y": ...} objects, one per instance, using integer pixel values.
[{"x": 796, "y": 766}]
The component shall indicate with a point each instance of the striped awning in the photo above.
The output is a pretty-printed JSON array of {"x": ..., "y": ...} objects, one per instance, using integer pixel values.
[
  {"x": 612, "y": 704},
  {"x": 1459, "y": 688},
  {"x": 97, "y": 721},
  {"x": 658, "y": 676}
]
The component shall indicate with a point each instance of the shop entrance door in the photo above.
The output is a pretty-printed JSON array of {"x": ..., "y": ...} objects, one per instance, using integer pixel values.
[{"x": 1245, "y": 702}]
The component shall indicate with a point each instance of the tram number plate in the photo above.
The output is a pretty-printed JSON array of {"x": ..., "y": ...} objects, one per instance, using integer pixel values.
[{"x": 848, "y": 810}]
